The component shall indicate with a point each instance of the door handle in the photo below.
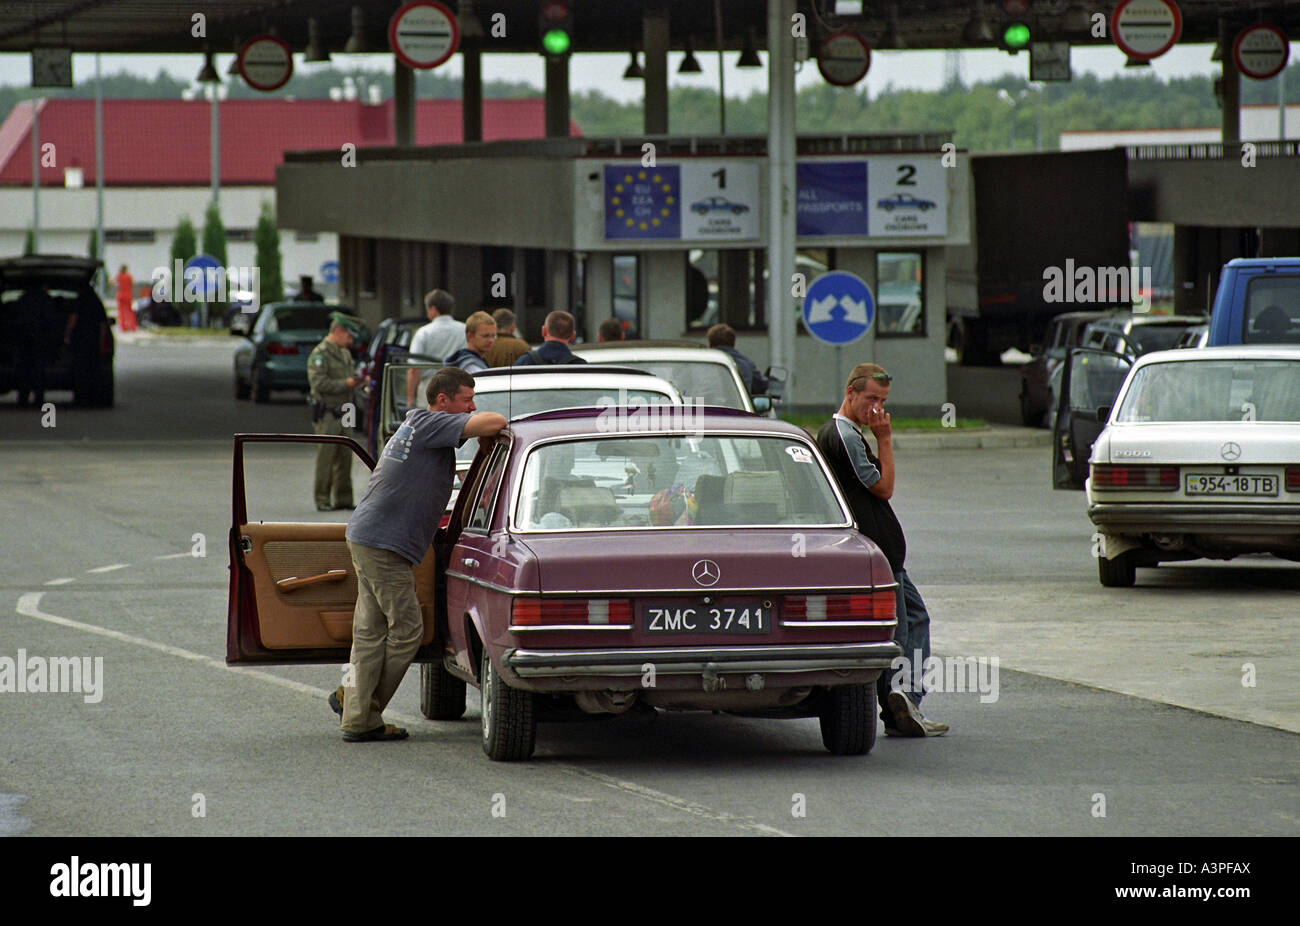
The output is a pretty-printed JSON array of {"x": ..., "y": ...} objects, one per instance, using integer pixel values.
[
  {"x": 292, "y": 582},
  {"x": 471, "y": 563}
]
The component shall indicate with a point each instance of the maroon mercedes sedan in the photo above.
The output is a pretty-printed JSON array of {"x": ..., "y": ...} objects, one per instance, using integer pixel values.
[{"x": 598, "y": 562}]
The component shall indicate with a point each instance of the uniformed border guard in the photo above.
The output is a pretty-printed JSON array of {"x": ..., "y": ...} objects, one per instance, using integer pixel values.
[{"x": 330, "y": 375}]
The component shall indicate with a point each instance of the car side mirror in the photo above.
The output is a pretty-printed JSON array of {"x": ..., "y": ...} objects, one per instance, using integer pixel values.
[
  {"x": 776, "y": 377},
  {"x": 762, "y": 404},
  {"x": 1103, "y": 413}
]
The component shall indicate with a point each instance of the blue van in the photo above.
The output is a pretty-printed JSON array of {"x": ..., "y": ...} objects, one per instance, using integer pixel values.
[{"x": 1258, "y": 302}]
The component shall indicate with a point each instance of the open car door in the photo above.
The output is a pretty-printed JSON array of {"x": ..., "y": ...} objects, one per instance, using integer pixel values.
[
  {"x": 1090, "y": 381},
  {"x": 392, "y": 394},
  {"x": 293, "y": 587}
]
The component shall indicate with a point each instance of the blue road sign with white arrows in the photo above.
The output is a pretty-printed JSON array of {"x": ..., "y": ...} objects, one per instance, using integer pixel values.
[
  {"x": 838, "y": 308},
  {"x": 329, "y": 271},
  {"x": 207, "y": 268}
]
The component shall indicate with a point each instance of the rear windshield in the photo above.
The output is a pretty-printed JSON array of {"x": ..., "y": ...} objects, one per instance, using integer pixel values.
[
  {"x": 1272, "y": 313},
  {"x": 304, "y": 318},
  {"x": 1214, "y": 390},
  {"x": 518, "y": 402},
  {"x": 655, "y": 482},
  {"x": 1150, "y": 338},
  {"x": 711, "y": 383}
]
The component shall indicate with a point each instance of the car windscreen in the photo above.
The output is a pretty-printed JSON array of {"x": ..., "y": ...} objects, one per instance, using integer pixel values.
[
  {"x": 1214, "y": 390},
  {"x": 300, "y": 318},
  {"x": 1272, "y": 310},
  {"x": 517, "y": 402},
  {"x": 710, "y": 383},
  {"x": 657, "y": 481},
  {"x": 1150, "y": 338}
]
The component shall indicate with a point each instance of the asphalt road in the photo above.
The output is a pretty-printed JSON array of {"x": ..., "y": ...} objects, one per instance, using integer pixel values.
[{"x": 1129, "y": 697}]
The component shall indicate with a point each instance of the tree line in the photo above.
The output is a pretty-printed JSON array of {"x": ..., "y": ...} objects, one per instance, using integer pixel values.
[{"x": 978, "y": 116}]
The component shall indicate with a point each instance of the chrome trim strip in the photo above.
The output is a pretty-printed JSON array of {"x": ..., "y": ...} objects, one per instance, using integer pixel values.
[
  {"x": 486, "y": 584},
  {"x": 689, "y": 592},
  {"x": 723, "y": 654},
  {"x": 768, "y": 659},
  {"x": 816, "y": 625},
  {"x": 515, "y": 628}
]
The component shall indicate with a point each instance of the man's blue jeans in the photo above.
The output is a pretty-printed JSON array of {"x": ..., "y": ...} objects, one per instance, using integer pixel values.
[{"x": 913, "y": 635}]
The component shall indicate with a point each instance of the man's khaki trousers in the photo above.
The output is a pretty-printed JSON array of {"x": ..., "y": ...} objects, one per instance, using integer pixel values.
[{"x": 386, "y": 631}]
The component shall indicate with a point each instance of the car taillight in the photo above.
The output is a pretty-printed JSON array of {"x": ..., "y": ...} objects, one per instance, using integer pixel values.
[
  {"x": 1107, "y": 476},
  {"x": 595, "y": 612},
  {"x": 873, "y": 606},
  {"x": 1293, "y": 478},
  {"x": 276, "y": 347}
]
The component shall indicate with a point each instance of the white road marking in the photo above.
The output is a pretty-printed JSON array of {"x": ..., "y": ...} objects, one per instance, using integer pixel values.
[
  {"x": 176, "y": 556},
  {"x": 109, "y": 568},
  {"x": 29, "y": 606},
  {"x": 63, "y": 581},
  {"x": 677, "y": 803}
]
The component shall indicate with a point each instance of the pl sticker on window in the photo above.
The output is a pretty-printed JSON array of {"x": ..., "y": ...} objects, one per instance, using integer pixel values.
[{"x": 799, "y": 454}]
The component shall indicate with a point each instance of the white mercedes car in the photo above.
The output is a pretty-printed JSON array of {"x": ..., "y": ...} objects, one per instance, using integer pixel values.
[{"x": 1200, "y": 458}]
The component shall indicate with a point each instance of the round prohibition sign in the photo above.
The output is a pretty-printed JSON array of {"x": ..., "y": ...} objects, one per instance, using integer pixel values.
[
  {"x": 1146, "y": 29},
  {"x": 843, "y": 59},
  {"x": 266, "y": 62},
  {"x": 423, "y": 34},
  {"x": 1261, "y": 51}
]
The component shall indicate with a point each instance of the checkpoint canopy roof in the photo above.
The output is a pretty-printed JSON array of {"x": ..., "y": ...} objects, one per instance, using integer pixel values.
[{"x": 164, "y": 26}]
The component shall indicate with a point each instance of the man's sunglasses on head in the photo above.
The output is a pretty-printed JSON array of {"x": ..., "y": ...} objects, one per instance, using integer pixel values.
[{"x": 883, "y": 378}]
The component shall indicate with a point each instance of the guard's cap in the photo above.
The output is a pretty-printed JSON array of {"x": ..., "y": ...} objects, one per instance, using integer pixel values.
[{"x": 350, "y": 322}]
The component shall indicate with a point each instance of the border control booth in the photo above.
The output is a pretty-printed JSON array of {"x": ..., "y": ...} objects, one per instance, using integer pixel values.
[{"x": 665, "y": 233}]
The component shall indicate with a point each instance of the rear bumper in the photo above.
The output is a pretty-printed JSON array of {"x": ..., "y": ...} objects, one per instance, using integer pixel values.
[
  {"x": 570, "y": 665},
  {"x": 1281, "y": 520}
]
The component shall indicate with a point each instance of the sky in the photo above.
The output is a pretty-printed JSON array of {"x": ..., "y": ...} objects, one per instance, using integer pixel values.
[{"x": 921, "y": 70}]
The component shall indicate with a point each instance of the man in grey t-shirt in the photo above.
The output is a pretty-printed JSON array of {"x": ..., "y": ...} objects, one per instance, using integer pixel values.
[{"x": 389, "y": 534}]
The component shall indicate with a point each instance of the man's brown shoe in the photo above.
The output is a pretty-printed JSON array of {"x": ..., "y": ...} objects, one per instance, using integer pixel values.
[
  {"x": 336, "y": 700},
  {"x": 908, "y": 719}
]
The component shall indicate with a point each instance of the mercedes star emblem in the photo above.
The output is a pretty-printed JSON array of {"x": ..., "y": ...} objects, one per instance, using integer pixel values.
[
  {"x": 1230, "y": 451},
  {"x": 706, "y": 572}
]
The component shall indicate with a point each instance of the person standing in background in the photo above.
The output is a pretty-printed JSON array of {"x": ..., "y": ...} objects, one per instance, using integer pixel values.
[
  {"x": 125, "y": 314},
  {"x": 507, "y": 348}
]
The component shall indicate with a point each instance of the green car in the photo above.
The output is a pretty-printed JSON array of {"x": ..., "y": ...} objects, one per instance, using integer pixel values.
[{"x": 274, "y": 354}]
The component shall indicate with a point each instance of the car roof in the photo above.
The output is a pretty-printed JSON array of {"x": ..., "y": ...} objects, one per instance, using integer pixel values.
[
  {"x": 593, "y": 422},
  {"x": 1227, "y": 352},
  {"x": 555, "y": 381},
  {"x": 48, "y": 266},
  {"x": 552, "y": 369},
  {"x": 1144, "y": 318},
  {"x": 639, "y": 345}
]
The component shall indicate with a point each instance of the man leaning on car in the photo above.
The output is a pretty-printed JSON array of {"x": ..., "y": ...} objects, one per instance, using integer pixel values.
[
  {"x": 389, "y": 534},
  {"x": 867, "y": 482}
]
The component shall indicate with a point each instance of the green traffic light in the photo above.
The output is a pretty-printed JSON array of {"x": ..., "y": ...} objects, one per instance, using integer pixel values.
[
  {"x": 556, "y": 42},
  {"x": 1016, "y": 35}
]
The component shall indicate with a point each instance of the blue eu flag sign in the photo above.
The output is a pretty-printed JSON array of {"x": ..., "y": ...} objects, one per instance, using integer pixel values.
[{"x": 643, "y": 202}]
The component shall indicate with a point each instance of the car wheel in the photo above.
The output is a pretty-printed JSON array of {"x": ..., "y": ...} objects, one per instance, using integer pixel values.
[
  {"x": 242, "y": 389},
  {"x": 104, "y": 397},
  {"x": 261, "y": 392},
  {"x": 848, "y": 719},
  {"x": 1120, "y": 572},
  {"x": 509, "y": 723},
  {"x": 442, "y": 695}
]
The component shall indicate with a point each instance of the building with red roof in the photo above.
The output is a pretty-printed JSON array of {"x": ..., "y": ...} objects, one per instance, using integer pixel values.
[{"x": 157, "y": 167}]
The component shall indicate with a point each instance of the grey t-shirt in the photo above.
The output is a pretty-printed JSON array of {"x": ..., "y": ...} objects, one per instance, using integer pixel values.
[{"x": 410, "y": 486}]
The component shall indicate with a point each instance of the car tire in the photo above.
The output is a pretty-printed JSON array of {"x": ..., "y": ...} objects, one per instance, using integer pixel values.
[
  {"x": 242, "y": 389},
  {"x": 509, "y": 721},
  {"x": 261, "y": 392},
  {"x": 105, "y": 396},
  {"x": 1120, "y": 572},
  {"x": 442, "y": 695},
  {"x": 848, "y": 719}
]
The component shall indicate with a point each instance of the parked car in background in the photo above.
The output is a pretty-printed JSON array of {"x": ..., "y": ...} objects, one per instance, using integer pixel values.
[
  {"x": 1039, "y": 379},
  {"x": 1196, "y": 336},
  {"x": 391, "y": 341},
  {"x": 1258, "y": 302},
  {"x": 561, "y": 584},
  {"x": 274, "y": 354},
  {"x": 1200, "y": 458},
  {"x": 1136, "y": 334},
  {"x": 53, "y": 320},
  {"x": 697, "y": 371}
]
